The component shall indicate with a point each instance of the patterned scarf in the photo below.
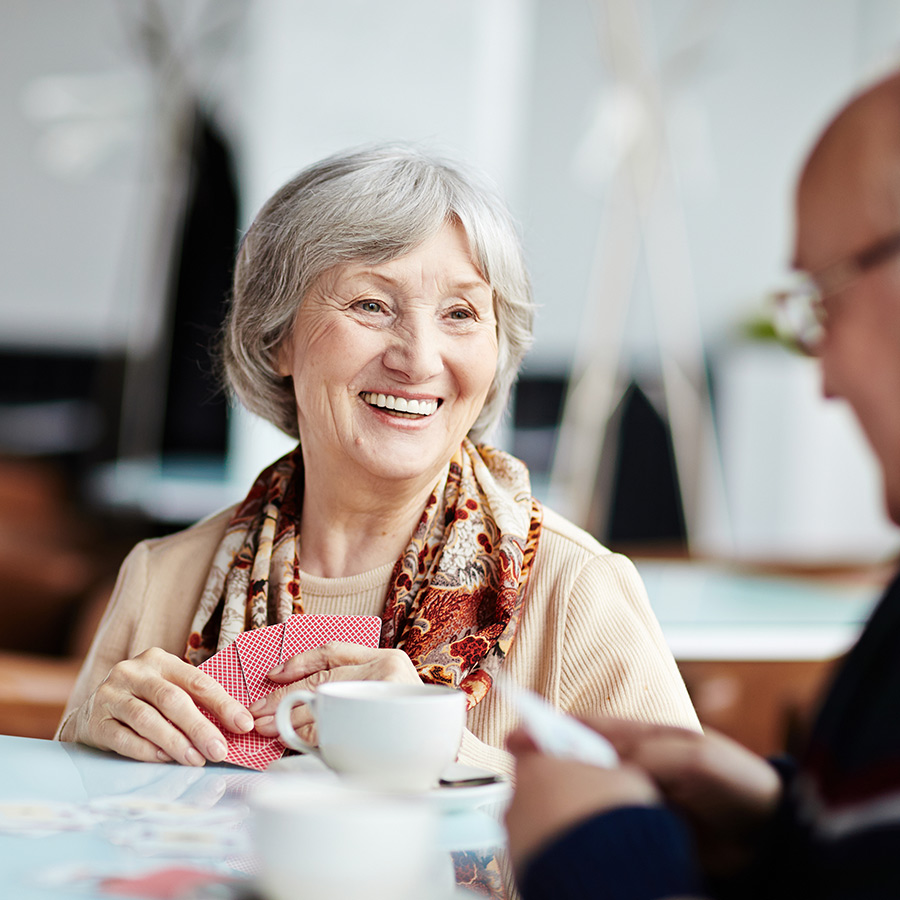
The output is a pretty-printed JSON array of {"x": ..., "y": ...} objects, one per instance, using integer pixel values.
[{"x": 456, "y": 593}]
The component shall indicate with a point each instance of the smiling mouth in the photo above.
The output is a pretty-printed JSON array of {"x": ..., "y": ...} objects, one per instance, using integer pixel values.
[{"x": 400, "y": 406}]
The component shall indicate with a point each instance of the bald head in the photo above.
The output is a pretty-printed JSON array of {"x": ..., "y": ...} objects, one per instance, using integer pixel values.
[
  {"x": 860, "y": 152},
  {"x": 848, "y": 202}
]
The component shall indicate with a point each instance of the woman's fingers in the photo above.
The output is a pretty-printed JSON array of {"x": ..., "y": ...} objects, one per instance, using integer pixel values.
[
  {"x": 336, "y": 661},
  {"x": 208, "y": 693},
  {"x": 301, "y": 720},
  {"x": 328, "y": 656},
  {"x": 147, "y": 709}
]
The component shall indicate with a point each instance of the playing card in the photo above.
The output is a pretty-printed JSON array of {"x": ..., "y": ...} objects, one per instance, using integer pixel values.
[
  {"x": 225, "y": 667},
  {"x": 259, "y": 651},
  {"x": 38, "y": 818},
  {"x": 242, "y": 666},
  {"x": 243, "y": 749},
  {"x": 252, "y": 750},
  {"x": 305, "y": 632}
]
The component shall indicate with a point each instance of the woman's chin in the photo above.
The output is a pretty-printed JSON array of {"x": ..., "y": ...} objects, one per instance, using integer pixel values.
[{"x": 399, "y": 462}]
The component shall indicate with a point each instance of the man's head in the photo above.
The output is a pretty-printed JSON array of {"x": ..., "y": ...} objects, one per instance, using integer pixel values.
[{"x": 848, "y": 201}]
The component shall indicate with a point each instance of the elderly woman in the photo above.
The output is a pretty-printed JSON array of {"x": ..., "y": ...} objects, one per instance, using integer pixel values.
[{"x": 380, "y": 311}]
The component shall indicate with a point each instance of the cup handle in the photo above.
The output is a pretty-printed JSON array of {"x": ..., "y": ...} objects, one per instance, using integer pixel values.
[{"x": 283, "y": 721}]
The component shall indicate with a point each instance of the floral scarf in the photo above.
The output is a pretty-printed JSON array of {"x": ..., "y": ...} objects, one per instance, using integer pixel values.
[{"x": 456, "y": 593}]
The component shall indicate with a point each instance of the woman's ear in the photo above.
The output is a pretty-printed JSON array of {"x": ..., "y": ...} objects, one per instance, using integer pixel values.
[{"x": 284, "y": 357}]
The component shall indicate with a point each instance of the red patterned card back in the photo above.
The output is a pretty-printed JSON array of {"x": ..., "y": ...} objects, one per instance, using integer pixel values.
[
  {"x": 225, "y": 667},
  {"x": 306, "y": 632},
  {"x": 242, "y": 666},
  {"x": 259, "y": 651}
]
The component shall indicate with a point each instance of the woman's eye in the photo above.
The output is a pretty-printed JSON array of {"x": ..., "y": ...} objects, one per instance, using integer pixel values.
[
  {"x": 373, "y": 306},
  {"x": 460, "y": 314}
]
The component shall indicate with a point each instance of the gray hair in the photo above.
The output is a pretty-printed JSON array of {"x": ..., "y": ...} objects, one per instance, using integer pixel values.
[{"x": 370, "y": 205}]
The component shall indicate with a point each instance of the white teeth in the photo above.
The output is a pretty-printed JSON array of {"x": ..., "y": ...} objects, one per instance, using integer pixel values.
[{"x": 401, "y": 404}]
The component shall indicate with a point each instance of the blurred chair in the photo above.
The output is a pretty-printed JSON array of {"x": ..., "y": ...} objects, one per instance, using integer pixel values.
[{"x": 55, "y": 577}]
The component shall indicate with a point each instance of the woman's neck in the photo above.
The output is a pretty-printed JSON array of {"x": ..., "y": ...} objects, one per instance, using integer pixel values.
[{"x": 348, "y": 531}]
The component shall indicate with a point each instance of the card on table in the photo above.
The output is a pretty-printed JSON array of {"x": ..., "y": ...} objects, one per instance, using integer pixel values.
[{"x": 241, "y": 668}]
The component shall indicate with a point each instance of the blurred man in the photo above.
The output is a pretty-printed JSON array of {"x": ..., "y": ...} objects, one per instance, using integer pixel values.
[{"x": 694, "y": 815}]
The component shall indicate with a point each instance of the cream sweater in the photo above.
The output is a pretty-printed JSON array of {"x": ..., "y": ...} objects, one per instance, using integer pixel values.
[{"x": 587, "y": 640}]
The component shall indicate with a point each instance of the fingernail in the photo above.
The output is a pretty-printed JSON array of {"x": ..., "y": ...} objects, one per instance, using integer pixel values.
[
  {"x": 193, "y": 758},
  {"x": 217, "y": 750},
  {"x": 257, "y": 706},
  {"x": 265, "y": 725},
  {"x": 244, "y": 720},
  {"x": 277, "y": 670},
  {"x": 162, "y": 756}
]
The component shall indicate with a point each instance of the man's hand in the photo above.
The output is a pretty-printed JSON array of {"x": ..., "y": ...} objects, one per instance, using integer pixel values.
[
  {"x": 723, "y": 790},
  {"x": 553, "y": 795},
  {"x": 145, "y": 709},
  {"x": 335, "y": 661}
]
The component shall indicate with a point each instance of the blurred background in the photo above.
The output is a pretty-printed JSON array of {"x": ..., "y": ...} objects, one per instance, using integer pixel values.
[{"x": 648, "y": 149}]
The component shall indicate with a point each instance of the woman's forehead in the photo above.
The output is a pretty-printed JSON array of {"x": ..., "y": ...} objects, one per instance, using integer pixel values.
[{"x": 445, "y": 258}]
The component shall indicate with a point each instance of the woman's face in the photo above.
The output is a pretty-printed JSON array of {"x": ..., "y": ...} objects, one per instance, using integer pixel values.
[{"x": 391, "y": 363}]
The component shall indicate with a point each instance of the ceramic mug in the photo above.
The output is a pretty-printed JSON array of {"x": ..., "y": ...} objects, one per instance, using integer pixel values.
[
  {"x": 324, "y": 841},
  {"x": 388, "y": 735}
]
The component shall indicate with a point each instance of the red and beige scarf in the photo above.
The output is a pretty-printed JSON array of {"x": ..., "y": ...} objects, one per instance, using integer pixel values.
[{"x": 456, "y": 593}]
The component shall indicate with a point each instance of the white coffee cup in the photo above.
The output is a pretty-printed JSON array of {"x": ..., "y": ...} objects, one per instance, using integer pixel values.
[
  {"x": 324, "y": 841},
  {"x": 387, "y": 735}
]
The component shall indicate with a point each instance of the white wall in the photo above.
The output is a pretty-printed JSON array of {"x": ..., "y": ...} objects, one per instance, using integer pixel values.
[
  {"x": 69, "y": 181},
  {"x": 770, "y": 74},
  {"x": 511, "y": 85}
]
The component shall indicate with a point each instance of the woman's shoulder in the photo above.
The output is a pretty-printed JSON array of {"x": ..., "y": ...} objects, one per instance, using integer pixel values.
[
  {"x": 561, "y": 534},
  {"x": 198, "y": 540},
  {"x": 567, "y": 553}
]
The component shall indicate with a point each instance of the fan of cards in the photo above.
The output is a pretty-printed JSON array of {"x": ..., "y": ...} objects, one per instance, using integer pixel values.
[{"x": 242, "y": 666}]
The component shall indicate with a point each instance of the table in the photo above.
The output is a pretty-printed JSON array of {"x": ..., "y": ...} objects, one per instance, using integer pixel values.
[
  {"x": 756, "y": 647},
  {"x": 718, "y": 611},
  {"x": 110, "y": 793}
]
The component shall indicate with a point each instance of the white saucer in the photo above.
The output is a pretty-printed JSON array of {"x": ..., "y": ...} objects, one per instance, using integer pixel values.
[
  {"x": 466, "y": 797},
  {"x": 446, "y": 799},
  {"x": 463, "y": 799}
]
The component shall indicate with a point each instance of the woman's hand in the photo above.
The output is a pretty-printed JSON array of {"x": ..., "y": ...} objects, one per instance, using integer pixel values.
[
  {"x": 553, "y": 795},
  {"x": 335, "y": 661},
  {"x": 145, "y": 709}
]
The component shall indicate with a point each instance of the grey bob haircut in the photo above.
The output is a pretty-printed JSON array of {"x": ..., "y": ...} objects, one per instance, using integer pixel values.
[{"x": 370, "y": 205}]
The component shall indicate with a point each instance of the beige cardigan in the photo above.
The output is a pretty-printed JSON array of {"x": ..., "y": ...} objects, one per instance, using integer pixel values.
[{"x": 587, "y": 641}]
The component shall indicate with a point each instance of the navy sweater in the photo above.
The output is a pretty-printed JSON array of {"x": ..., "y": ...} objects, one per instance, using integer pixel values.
[{"x": 836, "y": 835}]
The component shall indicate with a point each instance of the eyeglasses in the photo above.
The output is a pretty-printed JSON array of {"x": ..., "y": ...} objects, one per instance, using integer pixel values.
[{"x": 799, "y": 309}]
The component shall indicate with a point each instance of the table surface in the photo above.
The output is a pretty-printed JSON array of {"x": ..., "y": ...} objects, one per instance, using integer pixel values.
[
  {"x": 711, "y": 611},
  {"x": 114, "y": 841}
]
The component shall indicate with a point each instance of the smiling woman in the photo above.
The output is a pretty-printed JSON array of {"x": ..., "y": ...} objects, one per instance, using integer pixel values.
[
  {"x": 390, "y": 366},
  {"x": 381, "y": 309}
]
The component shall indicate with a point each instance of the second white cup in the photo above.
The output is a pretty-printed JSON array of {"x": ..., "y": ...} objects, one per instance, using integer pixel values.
[{"x": 386, "y": 735}]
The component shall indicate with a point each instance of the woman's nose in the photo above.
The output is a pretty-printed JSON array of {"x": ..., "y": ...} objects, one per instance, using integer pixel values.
[{"x": 415, "y": 352}]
